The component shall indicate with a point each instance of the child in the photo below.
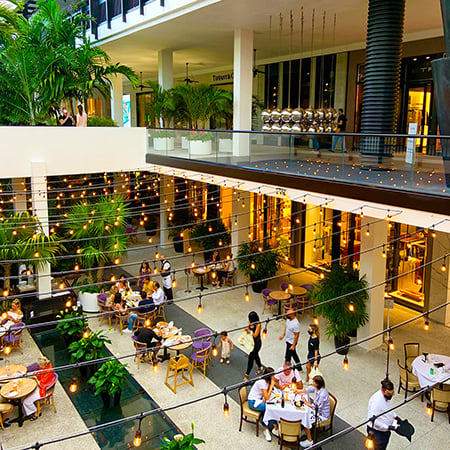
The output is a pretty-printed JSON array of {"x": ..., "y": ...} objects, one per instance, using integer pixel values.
[{"x": 227, "y": 346}]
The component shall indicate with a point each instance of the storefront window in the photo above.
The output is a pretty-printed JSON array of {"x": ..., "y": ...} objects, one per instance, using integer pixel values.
[{"x": 325, "y": 78}]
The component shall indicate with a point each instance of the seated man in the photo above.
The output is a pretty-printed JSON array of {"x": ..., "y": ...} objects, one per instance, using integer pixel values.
[
  {"x": 158, "y": 294},
  {"x": 146, "y": 336},
  {"x": 286, "y": 375},
  {"x": 145, "y": 305},
  {"x": 148, "y": 285}
]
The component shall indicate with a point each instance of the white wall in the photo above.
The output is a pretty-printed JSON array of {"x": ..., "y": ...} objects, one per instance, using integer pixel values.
[{"x": 71, "y": 150}]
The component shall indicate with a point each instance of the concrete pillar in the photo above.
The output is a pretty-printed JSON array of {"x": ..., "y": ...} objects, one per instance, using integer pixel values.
[
  {"x": 340, "y": 82},
  {"x": 116, "y": 99},
  {"x": 133, "y": 108},
  {"x": 20, "y": 202},
  {"x": 167, "y": 197},
  {"x": 312, "y": 84},
  {"x": 437, "y": 284},
  {"x": 373, "y": 266},
  {"x": 165, "y": 68},
  {"x": 40, "y": 209},
  {"x": 242, "y": 90}
]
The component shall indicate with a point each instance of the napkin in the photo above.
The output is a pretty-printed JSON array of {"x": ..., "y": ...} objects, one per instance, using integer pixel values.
[{"x": 170, "y": 325}]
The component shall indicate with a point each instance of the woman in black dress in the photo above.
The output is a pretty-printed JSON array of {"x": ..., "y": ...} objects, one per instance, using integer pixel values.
[
  {"x": 255, "y": 329},
  {"x": 313, "y": 358}
]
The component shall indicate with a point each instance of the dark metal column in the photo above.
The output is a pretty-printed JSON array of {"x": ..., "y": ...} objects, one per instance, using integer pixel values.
[{"x": 382, "y": 74}]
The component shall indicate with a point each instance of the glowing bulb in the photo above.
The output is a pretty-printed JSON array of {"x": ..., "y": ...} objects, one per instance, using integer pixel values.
[
  {"x": 117, "y": 261},
  {"x": 433, "y": 234},
  {"x": 5, "y": 315},
  {"x": 252, "y": 266},
  {"x": 137, "y": 441},
  {"x": 391, "y": 343},
  {"x": 426, "y": 325},
  {"x": 199, "y": 308},
  {"x": 210, "y": 229},
  {"x": 73, "y": 386},
  {"x": 264, "y": 333},
  {"x": 5, "y": 293},
  {"x": 383, "y": 253},
  {"x": 189, "y": 249},
  {"x": 77, "y": 267},
  {"x": 351, "y": 307},
  {"x": 247, "y": 297},
  {"x": 155, "y": 366},
  {"x": 116, "y": 245},
  {"x": 193, "y": 264},
  {"x": 150, "y": 240},
  {"x": 68, "y": 303},
  {"x": 345, "y": 363},
  {"x": 157, "y": 255},
  {"x": 113, "y": 278},
  {"x": 322, "y": 275},
  {"x": 220, "y": 243},
  {"x": 315, "y": 320},
  {"x": 85, "y": 334},
  {"x": 226, "y": 409},
  {"x": 7, "y": 350},
  {"x": 429, "y": 408},
  {"x": 443, "y": 267},
  {"x": 215, "y": 352},
  {"x": 155, "y": 270},
  {"x": 174, "y": 283},
  {"x": 369, "y": 441},
  {"x": 36, "y": 254}
]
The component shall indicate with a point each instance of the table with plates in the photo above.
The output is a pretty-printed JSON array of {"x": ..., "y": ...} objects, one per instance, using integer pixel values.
[
  {"x": 12, "y": 371},
  {"x": 280, "y": 297},
  {"x": 422, "y": 369},
  {"x": 172, "y": 338},
  {"x": 15, "y": 391},
  {"x": 133, "y": 299},
  {"x": 201, "y": 272}
]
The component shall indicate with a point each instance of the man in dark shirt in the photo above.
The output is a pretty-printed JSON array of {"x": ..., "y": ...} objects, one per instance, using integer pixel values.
[
  {"x": 341, "y": 124},
  {"x": 66, "y": 119},
  {"x": 146, "y": 336},
  {"x": 146, "y": 305}
]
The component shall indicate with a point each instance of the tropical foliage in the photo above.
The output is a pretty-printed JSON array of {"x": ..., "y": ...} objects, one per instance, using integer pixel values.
[
  {"x": 110, "y": 377},
  {"x": 72, "y": 322},
  {"x": 87, "y": 349},
  {"x": 98, "y": 227},
  {"x": 341, "y": 281},
  {"x": 211, "y": 235},
  {"x": 161, "y": 109},
  {"x": 182, "y": 442},
  {"x": 22, "y": 239},
  {"x": 46, "y": 59},
  {"x": 100, "y": 121}
]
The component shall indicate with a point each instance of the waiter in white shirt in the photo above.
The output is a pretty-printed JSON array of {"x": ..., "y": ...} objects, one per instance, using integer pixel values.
[
  {"x": 166, "y": 277},
  {"x": 381, "y": 427}
]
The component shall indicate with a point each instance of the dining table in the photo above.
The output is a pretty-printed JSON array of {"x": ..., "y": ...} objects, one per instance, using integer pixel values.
[
  {"x": 15, "y": 391},
  {"x": 280, "y": 297},
  {"x": 12, "y": 371},
  {"x": 297, "y": 291},
  {"x": 434, "y": 369},
  {"x": 201, "y": 271},
  {"x": 171, "y": 339}
]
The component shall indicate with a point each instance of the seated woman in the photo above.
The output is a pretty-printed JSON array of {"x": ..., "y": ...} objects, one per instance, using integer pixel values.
[
  {"x": 15, "y": 314},
  {"x": 119, "y": 304},
  {"x": 321, "y": 402},
  {"x": 111, "y": 294},
  {"x": 123, "y": 284},
  {"x": 45, "y": 378},
  {"x": 260, "y": 394},
  {"x": 221, "y": 274}
]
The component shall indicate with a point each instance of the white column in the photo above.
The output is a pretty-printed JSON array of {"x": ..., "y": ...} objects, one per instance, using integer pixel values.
[
  {"x": 373, "y": 266},
  {"x": 165, "y": 68},
  {"x": 166, "y": 192},
  {"x": 116, "y": 99},
  {"x": 40, "y": 209},
  {"x": 20, "y": 196},
  {"x": 242, "y": 90}
]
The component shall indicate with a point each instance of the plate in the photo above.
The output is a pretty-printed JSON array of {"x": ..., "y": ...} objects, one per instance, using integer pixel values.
[{"x": 12, "y": 394}]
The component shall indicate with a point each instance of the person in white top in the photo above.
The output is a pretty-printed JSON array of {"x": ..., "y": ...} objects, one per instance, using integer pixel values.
[
  {"x": 82, "y": 117},
  {"x": 286, "y": 376},
  {"x": 158, "y": 294},
  {"x": 381, "y": 427},
  {"x": 292, "y": 332},
  {"x": 259, "y": 395},
  {"x": 166, "y": 277}
]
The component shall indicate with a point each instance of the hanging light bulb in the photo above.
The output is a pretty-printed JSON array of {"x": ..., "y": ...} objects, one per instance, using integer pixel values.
[
  {"x": 150, "y": 240},
  {"x": 189, "y": 249},
  {"x": 193, "y": 264},
  {"x": 147, "y": 322},
  {"x": 314, "y": 230},
  {"x": 294, "y": 383},
  {"x": 226, "y": 408},
  {"x": 390, "y": 343},
  {"x": 370, "y": 444},
  {"x": 345, "y": 363},
  {"x": 443, "y": 267},
  {"x": 137, "y": 441},
  {"x": 368, "y": 231},
  {"x": 157, "y": 253},
  {"x": 210, "y": 229},
  {"x": 220, "y": 243},
  {"x": 361, "y": 214},
  {"x": 85, "y": 334},
  {"x": 315, "y": 320},
  {"x": 429, "y": 409},
  {"x": 7, "y": 350},
  {"x": 155, "y": 365},
  {"x": 155, "y": 269},
  {"x": 252, "y": 266},
  {"x": 199, "y": 307},
  {"x": 433, "y": 233},
  {"x": 383, "y": 253},
  {"x": 235, "y": 221},
  {"x": 247, "y": 295},
  {"x": 117, "y": 261},
  {"x": 113, "y": 279},
  {"x": 174, "y": 283},
  {"x": 426, "y": 324},
  {"x": 351, "y": 306},
  {"x": 73, "y": 386},
  {"x": 4, "y": 315},
  {"x": 77, "y": 267},
  {"x": 322, "y": 275}
]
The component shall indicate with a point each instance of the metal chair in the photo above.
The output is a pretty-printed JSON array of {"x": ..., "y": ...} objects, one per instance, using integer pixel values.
[
  {"x": 178, "y": 364},
  {"x": 200, "y": 359},
  {"x": 412, "y": 351},
  {"x": 440, "y": 398},
  {"x": 48, "y": 399},
  {"x": 248, "y": 414},
  {"x": 268, "y": 302},
  {"x": 290, "y": 432},
  {"x": 326, "y": 425},
  {"x": 408, "y": 381}
]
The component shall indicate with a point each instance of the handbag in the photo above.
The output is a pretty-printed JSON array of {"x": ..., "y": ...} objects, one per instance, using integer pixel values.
[
  {"x": 246, "y": 340},
  {"x": 314, "y": 372}
]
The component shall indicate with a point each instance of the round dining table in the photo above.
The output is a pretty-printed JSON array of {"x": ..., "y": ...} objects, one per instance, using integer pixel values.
[
  {"x": 12, "y": 371},
  {"x": 25, "y": 386},
  {"x": 422, "y": 369},
  {"x": 280, "y": 297},
  {"x": 297, "y": 291},
  {"x": 201, "y": 272}
]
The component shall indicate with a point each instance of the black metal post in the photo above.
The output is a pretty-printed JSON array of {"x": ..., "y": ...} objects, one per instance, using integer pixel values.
[{"x": 124, "y": 10}]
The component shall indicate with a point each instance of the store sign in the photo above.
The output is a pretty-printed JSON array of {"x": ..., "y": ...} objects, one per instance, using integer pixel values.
[
  {"x": 411, "y": 145},
  {"x": 126, "y": 103},
  {"x": 223, "y": 78}
]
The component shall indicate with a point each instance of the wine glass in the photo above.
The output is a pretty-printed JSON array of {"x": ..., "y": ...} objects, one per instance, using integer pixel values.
[{"x": 425, "y": 356}]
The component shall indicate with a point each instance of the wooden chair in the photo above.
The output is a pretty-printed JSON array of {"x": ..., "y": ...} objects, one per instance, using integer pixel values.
[
  {"x": 121, "y": 320},
  {"x": 326, "y": 425},
  {"x": 178, "y": 365},
  {"x": 106, "y": 314},
  {"x": 412, "y": 351},
  {"x": 248, "y": 414},
  {"x": 5, "y": 411},
  {"x": 408, "y": 381},
  {"x": 13, "y": 336},
  {"x": 440, "y": 398},
  {"x": 200, "y": 359},
  {"x": 268, "y": 302},
  {"x": 161, "y": 311},
  {"x": 290, "y": 432},
  {"x": 229, "y": 278},
  {"x": 144, "y": 317},
  {"x": 48, "y": 399},
  {"x": 142, "y": 354}
]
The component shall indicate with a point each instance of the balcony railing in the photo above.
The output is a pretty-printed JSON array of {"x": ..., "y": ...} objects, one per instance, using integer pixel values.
[{"x": 397, "y": 162}]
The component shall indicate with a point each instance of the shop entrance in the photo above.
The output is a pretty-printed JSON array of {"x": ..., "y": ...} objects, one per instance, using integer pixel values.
[{"x": 419, "y": 111}]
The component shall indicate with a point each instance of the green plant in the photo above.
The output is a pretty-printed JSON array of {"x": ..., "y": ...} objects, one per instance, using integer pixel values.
[
  {"x": 110, "y": 377},
  {"x": 86, "y": 287},
  {"x": 100, "y": 121},
  {"x": 71, "y": 327},
  {"x": 161, "y": 109},
  {"x": 337, "y": 282},
  {"x": 162, "y": 134},
  {"x": 181, "y": 442},
  {"x": 203, "y": 136},
  {"x": 257, "y": 260},
  {"x": 211, "y": 235},
  {"x": 87, "y": 349}
]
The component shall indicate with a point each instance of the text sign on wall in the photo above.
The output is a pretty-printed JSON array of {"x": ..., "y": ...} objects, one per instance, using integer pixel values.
[{"x": 411, "y": 144}]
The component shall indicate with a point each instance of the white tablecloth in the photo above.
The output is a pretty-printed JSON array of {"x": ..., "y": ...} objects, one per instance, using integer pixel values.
[
  {"x": 289, "y": 412},
  {"x": 421, "y": 369}
]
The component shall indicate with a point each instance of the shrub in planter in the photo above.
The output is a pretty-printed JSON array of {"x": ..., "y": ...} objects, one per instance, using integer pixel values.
[
  {"x": 211, "y": 235},
  {"x": 100, "y": 121},
  {"x": 258, "y": 261},
  {"x": 341, "y": 281},
  {"x": 109, "y": 381},
  {"x": 71, "y": 330}
]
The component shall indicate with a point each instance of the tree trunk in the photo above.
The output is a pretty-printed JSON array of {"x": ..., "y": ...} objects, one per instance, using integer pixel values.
[
  {"x": 7, "y": 272},
  {"x": 100, "y": 272}
]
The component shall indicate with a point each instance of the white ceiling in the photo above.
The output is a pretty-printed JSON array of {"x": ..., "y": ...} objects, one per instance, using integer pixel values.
[{"x": 204, "y": 38}]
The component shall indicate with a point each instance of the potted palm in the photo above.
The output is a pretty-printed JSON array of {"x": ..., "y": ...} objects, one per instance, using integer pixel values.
[
  {"x": 182, "y": 442},
  {"x": 344, "y": 315},
  {"x": 87, "y": 349},
  {"x": 258, "y": 261},
  {"x": 71, "y": 324},
  {"x": 181, "y": 221},
  {"x": 109, "y": 381},
  {"x": 210, "y": 236}
]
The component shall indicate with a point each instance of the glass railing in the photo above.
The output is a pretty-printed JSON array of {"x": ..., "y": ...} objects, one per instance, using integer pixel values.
[{"x": 403, "y": 162}]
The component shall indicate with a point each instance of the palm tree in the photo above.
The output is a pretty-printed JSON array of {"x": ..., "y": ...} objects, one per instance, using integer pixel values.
[
  {"x": 162, "y": 106},
  {"x": 8, "y": 19},
  {"x": 98, "y": 228},
  {"x": 23, "y": 240}
]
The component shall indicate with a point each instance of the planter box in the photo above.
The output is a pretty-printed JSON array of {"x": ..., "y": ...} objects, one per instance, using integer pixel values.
[
  {"x": 200, "y": 148},
  {"x": 88, "y": 302},
  {"x": 164, "y": 143},
  {"x": 184, "y": 143},
  {"x": 110, "y": 401},
  {"x": 225, "y": 145}
]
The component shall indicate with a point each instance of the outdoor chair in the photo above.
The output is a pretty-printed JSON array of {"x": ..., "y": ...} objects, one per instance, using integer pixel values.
[
  {"x": 247, "y": 414},
  {"x": 161, "y": 311},
  {"x": 412, "y": 351},
  {"x": 284, "y": 286},
  {"x": 13, "y": 337},
  {"x": 48, "y": 399},
  {"x": 200, "y": 336},
  {"x": 178, "y": 365},
  {"x": 326, "y": 425},
  {"x": 229, "y": 278},
  {"x": 200, "y": 359},
  {"x": 269, "y": 303},
  {"x": 101, "y": 299},
  {"x": 291, "y": 305},
  {"x": 144, "y": 317},
  {"x": 308, "y": 287},
  {"x": 33, "y": 367},
  {"x": 440, "y": 398},
  {"x": 408, "y": 381},
  {"x": 290, "y": 432},
  {"x": 106, "y": 314},
  {"x": 5, "y": 411},
  {"x": 142, "y": 354},
  {"x": 122, "y": 320}
]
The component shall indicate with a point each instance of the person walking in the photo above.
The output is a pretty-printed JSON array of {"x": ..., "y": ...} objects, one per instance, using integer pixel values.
[
  {"x": 292, "y": 332},
  {"x": 166, "y": 277},
  {"x": 341, "y": 123},
  {"x": 254, "y": 327},
  {"x": 82, "y": 117},
  {"x": 313, "y": 357}
]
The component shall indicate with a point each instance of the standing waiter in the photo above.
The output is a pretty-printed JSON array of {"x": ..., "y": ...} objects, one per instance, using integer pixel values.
[{"x": 166, "y": 277}]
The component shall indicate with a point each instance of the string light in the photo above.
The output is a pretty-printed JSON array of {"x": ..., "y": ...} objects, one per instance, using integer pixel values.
[
  {"x": 383, "y": 253},
  {"x": 429, "y": 408},
  {"x": 294, "y": 383},
  {"x": 345, "y": 363},
  {"x": 315, "y": 320},
  {"x": 215, "y": 352},
  {"x": 322, "y": 275},
  {"x": 390, "y": 343},
  {"x": 426, "y": 324},
  {"x": 226, "y": 407},
  {"x": 351, "y": 306},
  {"x": 174, "y": 281},
  {"x": 247, "y": 295},
  {"x": 7, "y": 350},
  {"x": 199, "y": 307},
  {"x": 86, "y": 334},
  {"x": 4, "y": 315},
  {"x": 73, "y": 386},
  {"x": 368, "y": 231},
  {"x": 433, "y": 232},
  {"x": 370, "y": 444},
  {"x": 235, "y": 221},
  {"x": 155, "y": 365},
  {"x": 264, "y": 332},
  {"x": 137, "y": 441},
  {"x": 443, "y": 267},
  {"x": 361, "y": 214}
]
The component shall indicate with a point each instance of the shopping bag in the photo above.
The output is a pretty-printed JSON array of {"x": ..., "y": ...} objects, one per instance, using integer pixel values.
[{"x": 246, "y": 340}]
